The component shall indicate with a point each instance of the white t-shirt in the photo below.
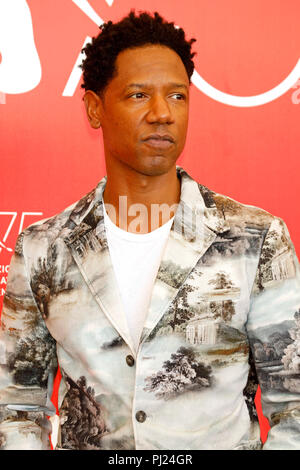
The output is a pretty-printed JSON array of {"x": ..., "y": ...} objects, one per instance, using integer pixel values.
[{"x": 135, "y": 259}]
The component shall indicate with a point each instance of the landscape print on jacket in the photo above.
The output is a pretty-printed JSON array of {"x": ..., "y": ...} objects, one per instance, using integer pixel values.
[
  {"x": 276, "y": 346},
  {"x": 224, "y": 316}
]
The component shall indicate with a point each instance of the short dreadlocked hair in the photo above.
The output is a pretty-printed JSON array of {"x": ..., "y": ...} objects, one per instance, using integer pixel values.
[{"x": 131, "y": 32}]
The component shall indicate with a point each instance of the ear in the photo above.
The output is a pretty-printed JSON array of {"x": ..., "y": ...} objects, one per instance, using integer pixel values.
[{"x": 93, "y": 108}]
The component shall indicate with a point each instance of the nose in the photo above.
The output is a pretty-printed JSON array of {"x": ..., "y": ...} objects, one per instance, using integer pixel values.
[{"x": 159, "y": 111}]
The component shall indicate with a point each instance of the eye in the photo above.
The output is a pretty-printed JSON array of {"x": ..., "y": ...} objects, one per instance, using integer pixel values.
[
  {"x": 181, "y": 97},
  {"x": 136, "y": 94}
]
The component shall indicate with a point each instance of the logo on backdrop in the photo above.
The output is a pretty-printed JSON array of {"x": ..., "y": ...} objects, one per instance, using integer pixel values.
[
  {"x": 15, "y": 77},
  {"x": 17, "y": 49},
  {"x": 9, "y": 221},
  {"x": 296, "y": 94}
]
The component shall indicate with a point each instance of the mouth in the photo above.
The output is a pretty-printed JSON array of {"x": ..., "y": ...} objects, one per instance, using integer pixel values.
[{"x": 157, "y": 141}]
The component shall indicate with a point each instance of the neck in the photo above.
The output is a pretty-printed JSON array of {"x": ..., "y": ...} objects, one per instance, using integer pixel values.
[{"x": 140, "y": 203}]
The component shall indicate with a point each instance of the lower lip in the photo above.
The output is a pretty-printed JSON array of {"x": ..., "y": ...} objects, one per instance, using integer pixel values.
[{"x": 162, "y": 144}]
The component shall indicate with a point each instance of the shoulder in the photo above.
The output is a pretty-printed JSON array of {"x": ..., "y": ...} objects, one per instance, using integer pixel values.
[
  {"x": 45, "y": 232},
  {"x": 238, "y": 213},
  {"x": 252, "y": 221},
  {"x": 225, "y": 213},
  {"x": 233, "y": 212}
]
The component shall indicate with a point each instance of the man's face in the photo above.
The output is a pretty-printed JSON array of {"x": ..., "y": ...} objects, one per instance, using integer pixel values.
[{"x": 148, "y": 96}]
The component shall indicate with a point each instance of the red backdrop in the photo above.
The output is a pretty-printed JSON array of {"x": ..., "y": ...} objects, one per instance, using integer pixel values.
[{"x": 244, "y": 110}]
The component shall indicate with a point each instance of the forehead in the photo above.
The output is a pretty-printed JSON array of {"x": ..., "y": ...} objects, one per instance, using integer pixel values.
[{"x": 153, "y": 64}]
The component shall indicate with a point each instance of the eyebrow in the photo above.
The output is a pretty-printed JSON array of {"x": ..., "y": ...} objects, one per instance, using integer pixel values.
[{"x": 145, "y": 85}]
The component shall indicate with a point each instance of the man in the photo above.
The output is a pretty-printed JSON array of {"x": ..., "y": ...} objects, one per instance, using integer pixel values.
[{"x": 159, "y": 298}]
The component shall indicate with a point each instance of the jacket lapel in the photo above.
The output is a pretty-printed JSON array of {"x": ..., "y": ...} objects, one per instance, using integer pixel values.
[
  {"x": 88, "y": 245},
  {"x": 196, "y": 224}
]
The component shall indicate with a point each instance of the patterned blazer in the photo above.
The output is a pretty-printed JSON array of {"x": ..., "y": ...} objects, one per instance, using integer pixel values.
[{"x": 223, "y": 317}]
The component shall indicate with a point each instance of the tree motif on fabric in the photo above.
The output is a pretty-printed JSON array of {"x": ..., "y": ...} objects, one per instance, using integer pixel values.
[
  {"x": 224, "y": 308},
  {"x": 82, "y": 417},
  {"x": 172, "y": 274},
  {"x": 47, "y": 280},
  {"x": 2, "y": 440},
  {"x": 180, "y": 374},
  {"x": 250, "y": 389},
  {"x": 33, "y": 359},
  {"x": 291, "y": 358},
  {"x": 180, "y": 310},
  {"x": 268, "y": 251},
  {"x": 221, "y": 281}
]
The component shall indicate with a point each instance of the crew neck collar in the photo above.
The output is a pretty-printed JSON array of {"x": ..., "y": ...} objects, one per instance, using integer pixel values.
[{"x": 135, "y": 236}]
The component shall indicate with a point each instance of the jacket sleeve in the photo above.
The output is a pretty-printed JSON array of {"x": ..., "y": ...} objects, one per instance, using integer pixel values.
[
  {"x": 273, "y": 328},
  {"x": 28, "y": 364}
]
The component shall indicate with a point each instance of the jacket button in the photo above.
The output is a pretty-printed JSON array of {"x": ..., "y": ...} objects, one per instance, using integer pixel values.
[
  {"x": 140, "y": 416},
  {"x": 129, "y": 360}
]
